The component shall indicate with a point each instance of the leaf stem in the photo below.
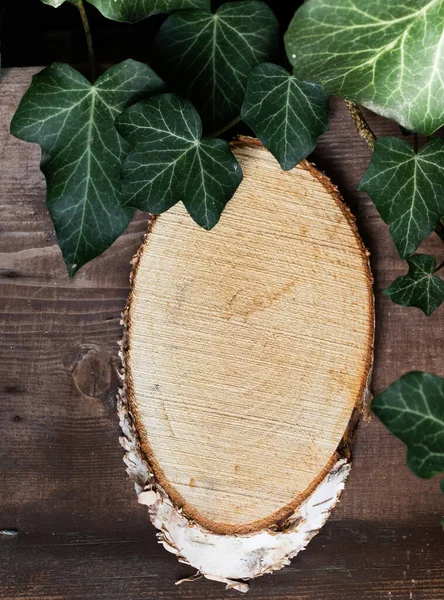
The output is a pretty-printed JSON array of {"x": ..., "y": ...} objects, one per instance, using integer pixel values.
[
  {"x": 88, "y": 36},
  {"x": 439, "y": 230},
  {"x": 416, "y": 142},
  {"x": 224, "y": 128},
  {"x": 361, "y": 124}
]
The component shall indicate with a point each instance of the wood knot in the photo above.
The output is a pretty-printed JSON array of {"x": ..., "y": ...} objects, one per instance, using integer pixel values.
[{"x": 94, "y": 371}]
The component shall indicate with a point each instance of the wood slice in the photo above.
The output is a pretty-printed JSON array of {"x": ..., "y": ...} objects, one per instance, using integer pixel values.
[{"x": 247, "y": 350}]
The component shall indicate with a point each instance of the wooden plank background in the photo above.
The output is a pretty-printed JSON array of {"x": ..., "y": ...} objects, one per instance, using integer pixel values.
[{"x": 63, "y": 486}]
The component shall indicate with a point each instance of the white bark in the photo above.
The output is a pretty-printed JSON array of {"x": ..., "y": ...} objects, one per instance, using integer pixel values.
[{"x": 227, "y": 558}]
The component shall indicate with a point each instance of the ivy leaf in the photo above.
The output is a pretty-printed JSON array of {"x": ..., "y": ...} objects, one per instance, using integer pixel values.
[
  {"x": 407, "y": 189},
  {"x": 54, "y": 3},
  {"x": 169, "y": 162},
  {"x": 131, "y": 11},
  {"x": 286, "y": 114},
  {"x": 207, "y": 57},
  {"x": 73, "y": 122},
  {"x": 419, "y": 287},
  {"x": 385, "y": 55},
  {"x": 412, "y": 408}
]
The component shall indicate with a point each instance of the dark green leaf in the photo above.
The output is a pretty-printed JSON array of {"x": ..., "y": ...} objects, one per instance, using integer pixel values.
[
  {"x": 207, "y": 57},
  {"x": 407, "y": 189},
  {"x": 419, "y": 287},
  {"x": 82, "y": 152},
  {"x": 412, "y": 408},
  {"x": 169, "y": 161},
  {"x": 287, "y": 115},
  {"x": 131, "y": 11},
  {"x": 387, "y": 55}
]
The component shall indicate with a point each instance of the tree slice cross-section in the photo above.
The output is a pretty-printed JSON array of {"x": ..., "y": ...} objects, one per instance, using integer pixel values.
[{"x": 247, "y": 351}]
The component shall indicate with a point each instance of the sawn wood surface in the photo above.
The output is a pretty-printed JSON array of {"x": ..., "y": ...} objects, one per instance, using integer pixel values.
[{"x": 63, "y": 487}]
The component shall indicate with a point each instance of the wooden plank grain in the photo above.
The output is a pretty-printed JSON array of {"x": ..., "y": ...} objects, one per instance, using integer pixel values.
[
  {"x": 63, "y": 485},
  {"x": 347, "y": 562}
]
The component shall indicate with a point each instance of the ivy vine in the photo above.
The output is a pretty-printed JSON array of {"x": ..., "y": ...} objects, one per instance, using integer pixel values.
[{"x": 134, "y": 138}]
